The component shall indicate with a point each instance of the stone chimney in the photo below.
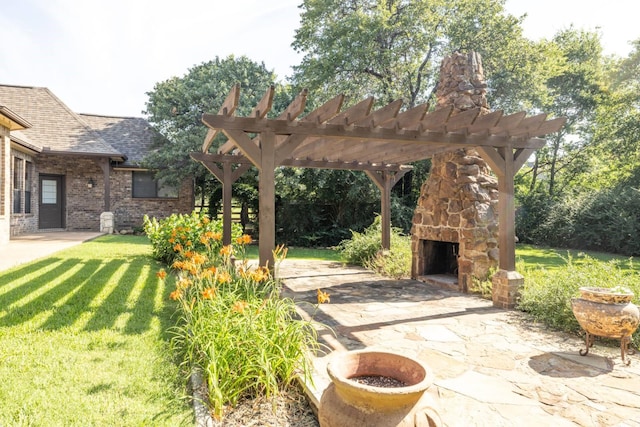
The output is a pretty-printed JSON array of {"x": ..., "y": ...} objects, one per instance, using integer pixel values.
[{"x": 455, "y": 225}]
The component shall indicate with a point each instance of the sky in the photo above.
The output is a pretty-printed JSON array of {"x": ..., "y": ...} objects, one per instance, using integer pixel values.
[{"x": 103, "y": 56}]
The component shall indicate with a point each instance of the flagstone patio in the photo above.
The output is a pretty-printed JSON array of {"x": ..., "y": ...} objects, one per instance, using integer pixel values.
[{"x": 492, "y": 367}]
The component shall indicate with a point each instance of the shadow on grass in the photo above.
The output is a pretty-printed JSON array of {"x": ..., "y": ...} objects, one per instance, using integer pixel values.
[{"x": 129, "y": 285}]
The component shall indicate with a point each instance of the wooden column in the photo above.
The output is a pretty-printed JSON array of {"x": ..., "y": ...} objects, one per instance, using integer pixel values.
[
  {"x": 385, "y": 180},
  {"x": 507, "y": 213},
  {"x": 505, "y": 163},
  {"x": 267, "y": 199},
  {"x": 227, "y": 176},
  {"x": 227, "y": 195}
]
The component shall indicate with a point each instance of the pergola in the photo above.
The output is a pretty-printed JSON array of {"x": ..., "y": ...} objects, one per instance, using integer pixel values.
[{"x": 379, "y": 142}]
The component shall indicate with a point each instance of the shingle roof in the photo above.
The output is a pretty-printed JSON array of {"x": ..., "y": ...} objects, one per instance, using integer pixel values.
[
  {"x": 55, "y": 127},
  {"x": 130, "y": 135}
]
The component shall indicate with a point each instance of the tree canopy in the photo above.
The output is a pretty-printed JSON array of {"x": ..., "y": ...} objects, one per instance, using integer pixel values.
[{"x": 392, "y": 49}]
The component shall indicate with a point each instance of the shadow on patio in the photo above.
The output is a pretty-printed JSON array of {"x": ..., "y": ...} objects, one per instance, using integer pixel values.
[{"x": 492, "y": 367}]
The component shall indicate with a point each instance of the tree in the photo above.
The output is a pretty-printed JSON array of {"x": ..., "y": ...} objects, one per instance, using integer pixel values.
[
  {"x": 392, "y": 49},
  {"x": 175, "y": 107},
  {"x": 575, "y": 92},
  {"x": 617, "y": 131}
]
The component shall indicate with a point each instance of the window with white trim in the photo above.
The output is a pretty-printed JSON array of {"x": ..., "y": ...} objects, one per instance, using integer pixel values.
[{"x": 22, "y": 183}]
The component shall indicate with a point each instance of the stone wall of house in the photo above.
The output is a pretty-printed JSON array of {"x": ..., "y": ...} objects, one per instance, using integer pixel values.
[{"x": 459, "y": 201}]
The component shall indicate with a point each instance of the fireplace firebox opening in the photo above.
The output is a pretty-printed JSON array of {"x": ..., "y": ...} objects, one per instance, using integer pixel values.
[{"x": 441, "y": 257}]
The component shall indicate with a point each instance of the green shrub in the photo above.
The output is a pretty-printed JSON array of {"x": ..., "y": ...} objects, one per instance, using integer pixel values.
[
  {"x": 483, "y": 285},
  {"x": 606, "y": 220},
  {"x": 365, "y": 249},
  {"x": 395, "y": 263},
  {"x": 362, "y": 246},
  {"x": 178, "y": 231},
  {"x": 546, "y": 294}
]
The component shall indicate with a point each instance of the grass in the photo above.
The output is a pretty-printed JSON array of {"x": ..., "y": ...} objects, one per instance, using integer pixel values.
[
  {"x": 319, "y": 254},
  {"x": 83, "y": 343},
  {"x": 553, "y": 259}
]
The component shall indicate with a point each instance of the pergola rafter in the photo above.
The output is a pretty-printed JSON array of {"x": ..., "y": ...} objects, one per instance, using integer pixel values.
[{"x": 379, "y": 142}]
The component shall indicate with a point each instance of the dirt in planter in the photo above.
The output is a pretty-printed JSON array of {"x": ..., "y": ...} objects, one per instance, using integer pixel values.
[
  {"x": 379, "y": 381},
  {"x": 287, "y": 410}
]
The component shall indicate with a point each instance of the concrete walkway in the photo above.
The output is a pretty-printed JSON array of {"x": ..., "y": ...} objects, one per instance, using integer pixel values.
[
  {"x": 30, "y": 247},
  {"x": 492, "y": 367}
]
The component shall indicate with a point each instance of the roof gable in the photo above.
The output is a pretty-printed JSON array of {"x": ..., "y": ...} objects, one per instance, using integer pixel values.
[
  {"x": 133, "y": 136},
  {"x": 56, "y": 128}
]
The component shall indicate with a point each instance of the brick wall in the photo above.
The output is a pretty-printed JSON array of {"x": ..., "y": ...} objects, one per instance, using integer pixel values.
[
  {"x": 24, "y": 222},
  {"x": 128, "y": 212},
  {"x": 5, "y": 180},
  {"x": 84, "y": 205}
]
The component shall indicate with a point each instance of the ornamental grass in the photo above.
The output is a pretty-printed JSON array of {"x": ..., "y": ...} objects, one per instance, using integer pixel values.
[{"x": 232, "y": 325}]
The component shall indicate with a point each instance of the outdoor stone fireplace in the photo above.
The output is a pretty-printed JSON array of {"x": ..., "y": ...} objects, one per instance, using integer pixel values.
[{"x": 455, "y": 224}]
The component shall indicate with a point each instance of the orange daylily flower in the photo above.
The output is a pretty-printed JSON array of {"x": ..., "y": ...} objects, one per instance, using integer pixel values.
[
  {"x": 183, "y": 283},
  {"x": 161, "y": 274},
  {"x": 209, "y": 293},
  {"x": 226, "y": 250},
  {"x": 224, "y": 277},
  {"x": 175, "y": 294},
  {"x": 240, "y": 306},
  {"x": 323, "y": 297},
  {"x": 261, "y": 274},
  {"x": 177, "y": 247},
  {"x": 198, "y": 259},
  {"x": 245, "y": 239}
]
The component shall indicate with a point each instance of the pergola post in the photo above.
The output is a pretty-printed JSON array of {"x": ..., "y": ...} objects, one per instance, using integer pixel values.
[
  {"x": 505, "y": 163},
  {"x": 227, "y": 176},
  {"x": 385, "y": 180},
  {"x": 267, "y": 200},
  {"x": 226, "y": 203}
]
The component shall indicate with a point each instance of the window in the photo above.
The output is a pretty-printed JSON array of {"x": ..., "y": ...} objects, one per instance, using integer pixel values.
[
  {"x": 18, "y": 182},
  {"x": 146, "y": 186},
  {"x": 22, "y": 182},
  {"x": 28, "y": 172}
]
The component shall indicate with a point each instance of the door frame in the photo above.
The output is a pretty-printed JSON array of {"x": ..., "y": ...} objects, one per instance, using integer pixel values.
[{"x": 61, "y": 201}]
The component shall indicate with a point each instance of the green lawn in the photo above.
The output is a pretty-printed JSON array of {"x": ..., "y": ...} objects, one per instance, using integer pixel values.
[
  {"x": 302, "y": 253},
  {"x": 551, "y": 259},
  {"x": 82, "y": 340}
]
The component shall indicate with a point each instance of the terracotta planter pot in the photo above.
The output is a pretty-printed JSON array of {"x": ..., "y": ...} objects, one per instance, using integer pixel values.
[
  {"x": 348, "y": 403},
  {"x": 603, "y": 313},
  {"x": 605, "y": 295}
]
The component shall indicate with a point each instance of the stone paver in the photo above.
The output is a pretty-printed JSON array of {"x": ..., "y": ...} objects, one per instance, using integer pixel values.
[{"x": 491, "y": 367}]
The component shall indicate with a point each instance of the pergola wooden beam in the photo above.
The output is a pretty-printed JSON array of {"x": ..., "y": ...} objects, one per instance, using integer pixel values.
[
  {"x": 378, "y": 142},
  {"x": 227, "y": 109}
]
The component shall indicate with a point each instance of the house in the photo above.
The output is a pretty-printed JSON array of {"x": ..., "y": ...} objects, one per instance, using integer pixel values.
[{"x": 61, "y": 170}]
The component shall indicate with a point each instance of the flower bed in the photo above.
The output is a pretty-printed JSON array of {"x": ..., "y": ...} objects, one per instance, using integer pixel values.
[{"x": 232, "y": 324}]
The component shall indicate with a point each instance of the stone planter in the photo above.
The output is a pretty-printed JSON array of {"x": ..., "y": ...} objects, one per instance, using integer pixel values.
[
  {"x": 347, "y": 402},
  {"x": 606, "y": 313}
]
